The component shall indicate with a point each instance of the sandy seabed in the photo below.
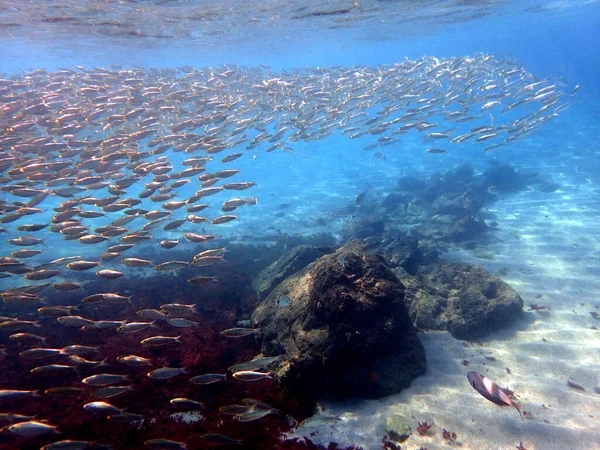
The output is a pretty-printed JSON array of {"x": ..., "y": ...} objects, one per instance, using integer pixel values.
[{"x": 550, "y": 253}]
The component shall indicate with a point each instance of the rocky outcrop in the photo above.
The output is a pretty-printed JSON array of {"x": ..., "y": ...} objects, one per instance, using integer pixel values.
[
  {"x": 343, "y": 327},
  {"x": 460, "y": 298},
  {"x": 293, "y": 261}
]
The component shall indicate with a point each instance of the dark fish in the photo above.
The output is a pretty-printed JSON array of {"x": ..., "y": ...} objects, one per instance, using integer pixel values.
[{"x": 492, "y": 391}]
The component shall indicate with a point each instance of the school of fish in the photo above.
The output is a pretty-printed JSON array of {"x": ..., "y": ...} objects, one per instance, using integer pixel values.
[{"x": 116, "y": 161}]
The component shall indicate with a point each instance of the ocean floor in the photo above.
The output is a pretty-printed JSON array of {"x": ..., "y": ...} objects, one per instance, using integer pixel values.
[{"x": 550, "y": 253}]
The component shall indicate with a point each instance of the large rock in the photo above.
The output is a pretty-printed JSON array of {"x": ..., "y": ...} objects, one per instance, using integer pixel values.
[
  {"x": 344, "y": 328},
  {"x": 293, "y": 261},
  {"x": 460, "y": 298}
]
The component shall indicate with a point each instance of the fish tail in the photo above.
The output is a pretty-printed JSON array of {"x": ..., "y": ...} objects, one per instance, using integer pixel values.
[{"x": 518, "y": 408}]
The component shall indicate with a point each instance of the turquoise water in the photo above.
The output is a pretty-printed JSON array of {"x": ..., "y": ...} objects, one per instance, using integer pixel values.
[{"x": 312, "y": 187}]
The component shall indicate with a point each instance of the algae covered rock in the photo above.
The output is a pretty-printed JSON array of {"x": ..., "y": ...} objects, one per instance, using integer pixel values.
[
  {"x": 293, "y": 261},
  {"x": 461, "y": 298},
  {"x": 397, "y": 428},
  {"x": 343, "y": 327}
]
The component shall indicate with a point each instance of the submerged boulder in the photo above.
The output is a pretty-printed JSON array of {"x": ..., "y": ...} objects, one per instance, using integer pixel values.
[
  {"x": 343, "y": 327},
  {"x": 461, "y": 298},
  {"x": 293, "y": 261}
]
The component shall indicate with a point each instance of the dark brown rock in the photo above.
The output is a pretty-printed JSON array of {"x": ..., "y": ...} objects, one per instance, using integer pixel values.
[{"x": 345, "y": 330}]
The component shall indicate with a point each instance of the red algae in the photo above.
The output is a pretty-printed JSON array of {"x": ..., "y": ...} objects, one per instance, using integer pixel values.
[{"x": 203, "y": 350}]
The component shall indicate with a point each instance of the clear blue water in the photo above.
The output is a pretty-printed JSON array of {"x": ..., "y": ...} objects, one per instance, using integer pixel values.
[{"x": 319, "y": 178}]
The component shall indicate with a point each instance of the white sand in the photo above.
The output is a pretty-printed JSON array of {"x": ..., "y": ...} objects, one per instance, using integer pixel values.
[{"x": 551, "y": 246}]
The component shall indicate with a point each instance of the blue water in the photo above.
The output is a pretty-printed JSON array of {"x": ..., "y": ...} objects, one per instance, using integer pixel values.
[{"x": 320, "y": 178}]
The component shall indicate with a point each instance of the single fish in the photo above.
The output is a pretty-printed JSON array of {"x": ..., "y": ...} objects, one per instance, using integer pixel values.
[
  {"x": 181, "y": 322},
  {"x": 102, "y": 408},
  {"x": 249, "y": 375},
  {"x": 7, "y": 395},
  {"x": 31, "y": 428},
  {"x": 135, "y": 361},
  {"x": 171, "y": 266},
  {"x": 67, "y": 445},
  {"x": 239, "y": 332},
  {"x": 166, "y": 373},
  {"x": 492, "y": 391},
  {"x": 158, "y": 341},
  {"x": 164, "y": 444},
  {"x": 186, "y": 403},
  {"x": 208, "y": 378},
  {"x": 105, "y": 379}
]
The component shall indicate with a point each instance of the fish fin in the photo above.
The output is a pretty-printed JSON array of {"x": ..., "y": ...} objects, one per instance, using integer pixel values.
[
  {"x": 518, "y": 408},
  {"x": 103, "y": 363}
]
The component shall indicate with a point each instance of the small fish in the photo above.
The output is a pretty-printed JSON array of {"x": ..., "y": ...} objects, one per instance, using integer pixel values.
[
  {"x": 52, "y": 370},
  {"x": 136, "y": 262},
  {"x": 181, "y": 322},
  {"x": 80, "y": 361},
  {"x": 164, "y": 444},
  {"x": 41, "y": 274},
  {"x": 490, "y": 390},
  {"x": 319, "y": 420},
  {"x": 82, "y": 265},
  {"x": 18, "y": 325},
  {"x": 27, "y": 337},
  {"x": 80, "y": 350},
  {"x": 135, "y": 361},
  {"x": 31, "y": 428},
  {"x": 168, "y": 243},
  {"x": 178, "y": 308},
  {"x": 25, "y": 241},
  {"x": 56, "y": 311},
  {"x": 208, "y": 378},
  {"x": 125, "y": 418},
  {"x": 67, "y": 445},
  {"x": 26, "y": 253},
  {"x": 74, "y": 321},
  {"x": 102, "y": 408},
  {"x": 249, "y": 375},
  {"x": 170, "y": 266},
  {"x": 66, "y": 286},
  {"x": 436, "y": 150},
  {"x": 112, "y": 391},
  {"x": 105, "y": 297},
  {"x": 201, "y": 279},
  {"x": 255, "y": 364},
  {"x": 105, "y": 379},
  {"x": 133, "y": 327},
  {"x": 239, "y": 332},
  {"x": 108, "y": 274},
  {"x": 12, "y": 394},
  {"x": 34, "y": 354},
  {"x": 283, "y": 301},
  {"x": 186, "y": 403},
  {"x": 254, "y": 414},
  {"x": 219, "y": 439},
  {"x": 166, "y": 373},
  {"x": 151, "y": 314},
  {"x": 223, "y": 219},
  {"x": 234, "y": 410},
  {"x": 63, "y": 392},
  {"x": 12, "y": 418},
  {"x": 157, "y": 341}
]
